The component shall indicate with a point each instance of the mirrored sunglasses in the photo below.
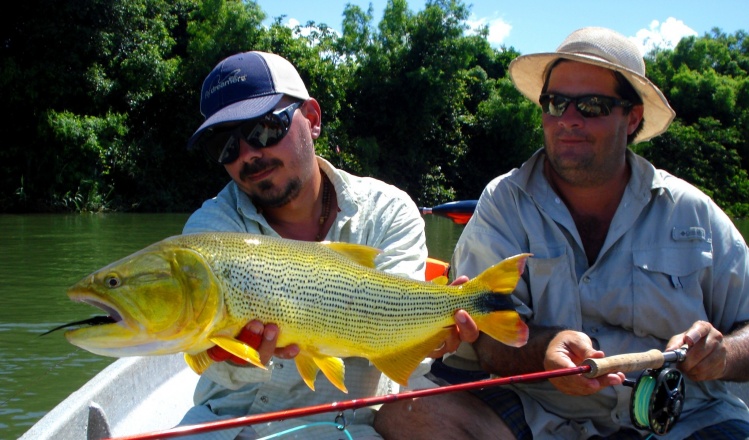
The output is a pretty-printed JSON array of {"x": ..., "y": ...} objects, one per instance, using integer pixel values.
[
  {"x": 221, "y": 143},
  {"x": 590, "y": 106}
]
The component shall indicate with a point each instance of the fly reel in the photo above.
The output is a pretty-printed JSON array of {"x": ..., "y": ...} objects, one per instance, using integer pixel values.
[{"x": 657, "y": 399}]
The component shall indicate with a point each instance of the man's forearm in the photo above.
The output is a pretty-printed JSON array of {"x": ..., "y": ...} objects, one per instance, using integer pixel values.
[
  {"x": 737, "y": 358},
  {"x": 503, "y": 360}
]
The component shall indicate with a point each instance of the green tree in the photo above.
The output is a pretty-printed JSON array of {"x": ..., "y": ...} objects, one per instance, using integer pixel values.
[
  {"x": 78, "y": 74},
  {"x": 101, "y": 96},
  {"x": 705, "y": 80},
  {"x": 420, "y": 84},
  {"x": 693, "y": 153}
]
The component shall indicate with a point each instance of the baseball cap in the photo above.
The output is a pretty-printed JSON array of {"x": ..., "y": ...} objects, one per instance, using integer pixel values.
[{"x": 245, "y": 86}]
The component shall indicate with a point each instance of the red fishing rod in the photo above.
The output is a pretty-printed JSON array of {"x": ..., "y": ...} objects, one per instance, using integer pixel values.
[{"x": 591, "y": 368}]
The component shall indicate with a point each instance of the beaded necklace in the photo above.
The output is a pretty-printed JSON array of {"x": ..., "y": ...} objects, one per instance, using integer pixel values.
[{"x": 326, "y": 205}]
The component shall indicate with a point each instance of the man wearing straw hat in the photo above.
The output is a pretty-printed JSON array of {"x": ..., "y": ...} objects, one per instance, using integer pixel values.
[{"x": 627, "y": 258}]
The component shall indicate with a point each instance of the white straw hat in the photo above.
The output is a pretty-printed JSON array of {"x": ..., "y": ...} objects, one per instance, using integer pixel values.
[{"x": 605, "y": 48}]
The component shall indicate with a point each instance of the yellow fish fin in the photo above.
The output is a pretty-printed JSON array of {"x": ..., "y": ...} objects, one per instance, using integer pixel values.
[
  {"x": 198, "y": 362},
  {"x": 440, "y": 280},
  {"x": 503, "y": 276},
  {"x": 239, "y": 349},
  {"x": 501, "y": 321},
  {"x": 505, "y": 326},
  {"x": 400, "y": 364},
  {"x": 364, "y": 255},
  {"x": 333, "y": 368},
  {"x": 307, "y": 369}
]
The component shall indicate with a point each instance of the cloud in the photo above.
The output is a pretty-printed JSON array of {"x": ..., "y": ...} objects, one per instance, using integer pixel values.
[
  {"x": 664, "y": 35},
  {"x": 499, "y": 30}
]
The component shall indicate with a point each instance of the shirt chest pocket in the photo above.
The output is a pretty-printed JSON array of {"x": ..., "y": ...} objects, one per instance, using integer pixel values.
[
  {"x": 668, "y": 288},
  {"x": 554, "y": 295}
]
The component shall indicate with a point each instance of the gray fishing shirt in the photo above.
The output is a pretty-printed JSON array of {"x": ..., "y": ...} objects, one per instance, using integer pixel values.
[{"x": 671, "y": 258}]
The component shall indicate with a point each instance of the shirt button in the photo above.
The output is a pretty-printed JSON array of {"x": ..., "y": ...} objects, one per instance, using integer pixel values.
[
  {"x": 557, "y": 200},
  {"x": 264, "y": 399},
  {"x": 586, "y": 279},
  {"x": 279, "y": 366}
]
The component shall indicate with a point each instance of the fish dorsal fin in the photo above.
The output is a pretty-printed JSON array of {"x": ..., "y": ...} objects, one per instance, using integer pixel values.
[
  {"x": 239, "y": 349},
  {"x": 399, "y": 365},
  {"x": 198, "y": 362},
  {"x": 364, "y": 255},
  {"x": 440, "y": 280}
]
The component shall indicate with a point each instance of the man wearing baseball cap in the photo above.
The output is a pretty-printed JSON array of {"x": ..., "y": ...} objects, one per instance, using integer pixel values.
[
  {"x": 626, "y": 258},
  {"x": 260, "y": 124}
]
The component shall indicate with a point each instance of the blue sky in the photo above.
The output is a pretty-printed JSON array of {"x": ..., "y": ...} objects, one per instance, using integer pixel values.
[{"x": 540, "y": 26}]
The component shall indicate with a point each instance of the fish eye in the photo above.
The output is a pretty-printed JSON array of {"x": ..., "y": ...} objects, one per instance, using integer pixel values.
[{"x": 112, "y": 281}]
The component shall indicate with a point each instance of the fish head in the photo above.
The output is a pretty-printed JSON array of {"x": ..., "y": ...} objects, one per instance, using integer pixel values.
[{"x": 163, "y": 299}]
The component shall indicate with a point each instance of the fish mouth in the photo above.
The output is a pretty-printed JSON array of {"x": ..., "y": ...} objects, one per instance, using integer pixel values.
[{"x": 112, "y": 317}]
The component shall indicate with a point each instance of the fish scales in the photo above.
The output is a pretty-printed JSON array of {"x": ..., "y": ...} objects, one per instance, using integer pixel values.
[
  {"x": 325, "y": 297},
  {"x": 335, "y": 297}
]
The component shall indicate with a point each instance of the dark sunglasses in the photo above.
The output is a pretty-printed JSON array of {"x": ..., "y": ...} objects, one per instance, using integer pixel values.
[
  {"x": 222, "y": 143},
  {"x": 590, "y": 106}
]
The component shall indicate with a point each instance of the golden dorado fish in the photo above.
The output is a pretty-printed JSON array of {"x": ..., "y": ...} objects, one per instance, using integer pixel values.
[{"x": 188, "y": 293}]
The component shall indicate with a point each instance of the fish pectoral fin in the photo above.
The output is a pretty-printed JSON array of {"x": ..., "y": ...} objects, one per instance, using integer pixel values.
[
  {"x": 198, "y": 362},
  {"x": 362, "y": 254},
  {"x": 505, "y": 326},
  {"x": 239, "y": 349},
  {"x": 400, "y": 364},
  {"x": 333, "y": 368}
]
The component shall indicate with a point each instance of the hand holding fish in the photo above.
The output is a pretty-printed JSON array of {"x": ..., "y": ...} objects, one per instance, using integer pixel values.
[
  {"x": 465, "y": 329},
  {"x": 262, "y": 338}
]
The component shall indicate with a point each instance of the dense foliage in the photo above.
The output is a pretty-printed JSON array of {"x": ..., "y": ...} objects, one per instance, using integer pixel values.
[{"x": 99, "y": 97}]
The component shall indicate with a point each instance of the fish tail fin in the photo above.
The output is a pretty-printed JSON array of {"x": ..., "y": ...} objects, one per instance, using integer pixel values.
[
  {"x": 501, "y": 321},
  {"x": 198, "y": 362},
  {"x": 505, "y": 326},
  {"x": 503, "y": 276}
]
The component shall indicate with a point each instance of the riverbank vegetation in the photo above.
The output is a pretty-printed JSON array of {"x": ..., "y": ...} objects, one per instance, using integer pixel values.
[{"x": 100, "y": 96}]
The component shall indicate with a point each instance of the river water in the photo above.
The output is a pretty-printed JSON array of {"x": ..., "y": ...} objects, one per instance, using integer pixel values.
[{"x": 41, "y": 256}]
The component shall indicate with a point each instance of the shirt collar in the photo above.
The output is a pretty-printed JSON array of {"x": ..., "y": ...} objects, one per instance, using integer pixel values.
[{"x": 645, "y": 179}]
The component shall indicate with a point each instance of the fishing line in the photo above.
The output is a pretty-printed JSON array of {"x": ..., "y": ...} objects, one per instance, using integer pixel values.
[
  {"x": 337, "y": 426},
  {"x": 641, "y": 400},
  {"x": 657, "y": 399}
]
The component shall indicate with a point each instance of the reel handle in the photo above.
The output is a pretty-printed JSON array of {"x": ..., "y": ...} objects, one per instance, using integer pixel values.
[{"x": 625, "y": 363}]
